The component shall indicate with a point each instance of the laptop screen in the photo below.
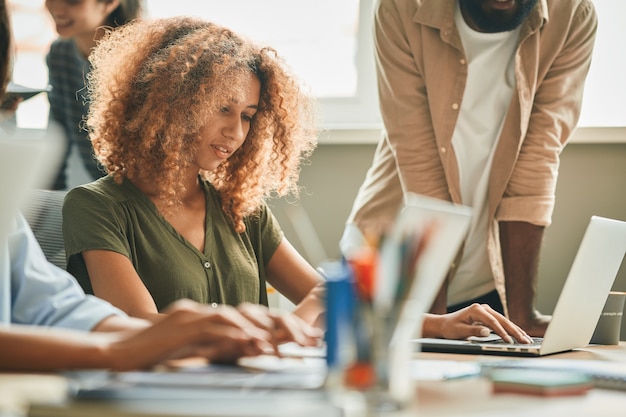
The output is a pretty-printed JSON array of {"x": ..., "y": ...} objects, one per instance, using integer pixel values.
[{"x": 27, "y": 158}]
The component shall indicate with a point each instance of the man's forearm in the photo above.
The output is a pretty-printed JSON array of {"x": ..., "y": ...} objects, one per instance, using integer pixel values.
[
  {"x": 440, "y": 303},
  {"x": 521, "y": 245}
]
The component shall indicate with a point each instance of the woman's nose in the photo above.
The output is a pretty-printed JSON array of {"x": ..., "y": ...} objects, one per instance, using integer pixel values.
[{"x": 234, "y": 130}]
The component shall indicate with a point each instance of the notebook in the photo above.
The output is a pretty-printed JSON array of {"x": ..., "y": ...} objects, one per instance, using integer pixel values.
[
  {"x": 15, "y": 91},
  {"x": 609, "y": 374},
  {"x": 580, "y": 303}
]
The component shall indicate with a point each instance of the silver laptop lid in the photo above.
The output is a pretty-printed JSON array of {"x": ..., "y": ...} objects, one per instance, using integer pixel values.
[{"x": 586, "y": 289}]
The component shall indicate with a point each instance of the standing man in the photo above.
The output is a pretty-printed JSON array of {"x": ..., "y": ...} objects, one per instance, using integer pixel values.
[{"x": 478, "y": 99}]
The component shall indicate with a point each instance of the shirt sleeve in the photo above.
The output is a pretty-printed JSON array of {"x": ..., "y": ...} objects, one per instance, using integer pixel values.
[
  {"x": 43, "y": 294},
  {"x": 91, "y": 221},
  {"x": 265, "y": 234},
  {"x": 405, "y": 106},
  {"x": 557, "y": 101}
]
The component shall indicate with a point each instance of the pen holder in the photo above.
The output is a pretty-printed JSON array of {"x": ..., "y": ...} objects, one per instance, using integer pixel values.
[
  {"x": 380, "y": 368},
  {"x": 364, "y": 352}
]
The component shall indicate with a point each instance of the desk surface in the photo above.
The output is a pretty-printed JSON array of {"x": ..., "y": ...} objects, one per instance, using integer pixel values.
[
  {"x": 463, "y": 397},
  {"x": 473, "y": 396}
]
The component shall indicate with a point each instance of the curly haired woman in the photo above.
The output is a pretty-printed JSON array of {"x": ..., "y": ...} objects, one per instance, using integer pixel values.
[
  {"x": 47, "y": 323},
  {"x": 196, "y": 127}
]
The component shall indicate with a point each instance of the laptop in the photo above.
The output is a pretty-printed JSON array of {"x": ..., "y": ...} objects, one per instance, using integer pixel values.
[
  {"x": 579, "y": 306},
  {"x": 27, "y": 157}
]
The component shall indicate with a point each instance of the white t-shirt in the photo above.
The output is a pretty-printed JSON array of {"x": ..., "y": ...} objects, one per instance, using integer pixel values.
[{"x": 486, "y": 99}]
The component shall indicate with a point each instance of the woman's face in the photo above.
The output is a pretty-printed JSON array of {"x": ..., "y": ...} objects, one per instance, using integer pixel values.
[
  {"x": 75, "y": 18},
  {"x": 228, "y": 128}
]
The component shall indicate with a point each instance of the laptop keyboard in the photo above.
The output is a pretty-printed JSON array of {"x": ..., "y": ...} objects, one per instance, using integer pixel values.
[{"x": 536, "y": 341}]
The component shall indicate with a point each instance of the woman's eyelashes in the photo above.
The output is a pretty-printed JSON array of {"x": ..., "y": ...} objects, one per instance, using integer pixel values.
[{"x": 247, "y": 116}]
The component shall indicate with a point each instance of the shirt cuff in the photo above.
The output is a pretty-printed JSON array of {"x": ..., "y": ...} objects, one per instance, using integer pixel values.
[{"x": 535, "y": 210}]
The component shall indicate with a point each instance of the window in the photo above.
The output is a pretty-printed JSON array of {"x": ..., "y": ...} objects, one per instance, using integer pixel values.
[
  {"x": 33, "y": 32},
  {"x": 318, "y": 39},
  {"x": 332, "y": 49},
  {"x": 605, "y": 89},
  {"x": 329, "y": 44}
]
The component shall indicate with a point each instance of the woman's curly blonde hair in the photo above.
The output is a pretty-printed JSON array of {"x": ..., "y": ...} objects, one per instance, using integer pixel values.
[{"x": 156, "y": 83}]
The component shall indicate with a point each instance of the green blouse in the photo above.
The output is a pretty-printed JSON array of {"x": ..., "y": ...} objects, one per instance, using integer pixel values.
[{"x": 119, "y": 217}]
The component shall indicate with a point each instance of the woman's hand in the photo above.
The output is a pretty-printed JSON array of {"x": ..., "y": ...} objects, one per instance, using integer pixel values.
[
  {"x": 283, "y": 327},
  {"x": 311, "y": 308},
  {"x": 475, "y": 320},
  {"x": 188, "y": 329}
]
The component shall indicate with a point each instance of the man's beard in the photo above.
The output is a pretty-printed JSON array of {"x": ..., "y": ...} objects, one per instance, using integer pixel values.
[{"x": 496, "y": 21}]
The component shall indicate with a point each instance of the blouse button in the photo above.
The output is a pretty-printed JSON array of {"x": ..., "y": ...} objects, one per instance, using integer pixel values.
[
  {"x": 462, "y": 61},
  {"x": 443, "y": 149},
  {"x": 455, "y": 106},
  {"x": 214, "y": 305},
  {"x": 207, "y": 265}
]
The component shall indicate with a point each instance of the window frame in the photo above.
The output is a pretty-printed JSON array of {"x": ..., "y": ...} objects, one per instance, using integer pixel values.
[
  {"x": 361, "y": 111},
  {"x": 357, "y": 119}
]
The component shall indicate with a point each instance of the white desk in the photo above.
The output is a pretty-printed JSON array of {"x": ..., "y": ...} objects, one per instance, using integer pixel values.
[
  {"x": 473, "y": 397},
  {"x": 464, "y": 397}
]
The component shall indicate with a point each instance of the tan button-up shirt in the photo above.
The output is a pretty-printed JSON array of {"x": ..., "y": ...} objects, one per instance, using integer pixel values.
[{"x": 422, "y": 71}]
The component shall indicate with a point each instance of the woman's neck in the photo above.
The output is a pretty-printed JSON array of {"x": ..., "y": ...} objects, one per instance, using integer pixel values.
[{"x": 192, "y": 189}]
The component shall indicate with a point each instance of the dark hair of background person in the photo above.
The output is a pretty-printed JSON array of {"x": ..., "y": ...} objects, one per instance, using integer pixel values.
[{"x": 124, "y": 13}]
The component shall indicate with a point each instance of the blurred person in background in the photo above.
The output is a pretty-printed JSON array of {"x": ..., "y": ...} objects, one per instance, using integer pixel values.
[{"x": 79, "y": 24}]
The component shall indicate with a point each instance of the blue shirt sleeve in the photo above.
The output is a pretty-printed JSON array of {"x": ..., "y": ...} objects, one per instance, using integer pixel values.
[{"x": 35, "y": 292}]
